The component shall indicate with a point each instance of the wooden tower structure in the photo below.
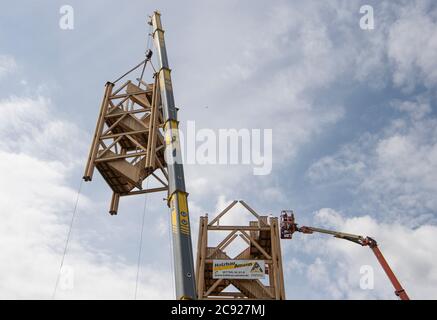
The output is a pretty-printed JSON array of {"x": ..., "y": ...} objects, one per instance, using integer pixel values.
[
  {"x": 263, "y": 249},
  {"x": 128, "y": 144}
]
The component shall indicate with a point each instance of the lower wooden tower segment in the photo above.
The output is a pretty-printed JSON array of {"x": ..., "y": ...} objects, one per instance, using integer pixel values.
[{"x": 256, "y": 272}]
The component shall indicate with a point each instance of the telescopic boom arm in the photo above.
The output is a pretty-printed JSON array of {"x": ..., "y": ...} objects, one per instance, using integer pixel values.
[{"x": 288, "y": 227}]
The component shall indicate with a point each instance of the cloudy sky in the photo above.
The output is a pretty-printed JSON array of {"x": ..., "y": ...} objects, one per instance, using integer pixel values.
[{"x": 354, "y": 122}]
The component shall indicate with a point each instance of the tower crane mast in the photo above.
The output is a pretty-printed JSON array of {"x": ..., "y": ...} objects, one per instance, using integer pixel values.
[{"x": 177, "y": 195}]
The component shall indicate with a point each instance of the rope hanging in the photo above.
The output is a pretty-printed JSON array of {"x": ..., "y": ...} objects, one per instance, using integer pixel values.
[
  {"x": 143, "y": 63},
  {"x": 141, "y": 243},
  {"x": 148, "y": 55},
  {"x": 68, "y": 239}
]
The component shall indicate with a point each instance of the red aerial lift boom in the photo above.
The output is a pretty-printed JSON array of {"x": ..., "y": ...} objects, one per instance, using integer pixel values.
[{"x": 288, "y": 227}]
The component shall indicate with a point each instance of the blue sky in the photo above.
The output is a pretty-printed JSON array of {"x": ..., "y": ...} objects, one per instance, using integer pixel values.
[{"x": 353, "y": 114}]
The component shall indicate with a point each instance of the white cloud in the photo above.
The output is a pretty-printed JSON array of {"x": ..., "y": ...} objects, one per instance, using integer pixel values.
[
  {"x": 38, "y": 152},
  {"x": 307, "y": 48},
  {"x": 30, "y": 127},
  {"x": 417, "y": 109},
  {"x": 393, "y": 171},
  {"x": 412, "y": 43},
  {"x": 7, "y": 65},
  {"x": 36, "y": 205}
]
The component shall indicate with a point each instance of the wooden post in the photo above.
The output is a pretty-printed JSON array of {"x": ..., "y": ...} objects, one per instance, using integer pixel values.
[
  {"x": 114, "y": 203},
  {"x": 278, "y": 275},
  {"x": 275, "y": 262},
  {"x": 151, "y": 142},
  {"x": 89, "y": 169},
  {"x": 279, "y": 257},
  {"x": 201, "y": 256}
]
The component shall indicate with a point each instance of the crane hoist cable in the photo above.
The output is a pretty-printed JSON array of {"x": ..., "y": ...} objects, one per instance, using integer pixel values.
[
  {"x": 143, "y": 63},
  {"x": 131, "y": 70},
  {"x": 148, "y": 54}
]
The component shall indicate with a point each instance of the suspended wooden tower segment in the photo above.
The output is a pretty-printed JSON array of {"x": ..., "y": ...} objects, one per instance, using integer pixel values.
[
  {"x": 137, "y": 138},
  {"x": 256, "y": 272},
  {"x": 128, "y": 144}
]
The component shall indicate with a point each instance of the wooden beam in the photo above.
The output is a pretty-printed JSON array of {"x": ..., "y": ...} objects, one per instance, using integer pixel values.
[
  {"x": 118, "y": 105},
  {"x": 253, "y": 212},
  {"x": 223, "y": 242},
  {"x": 108, "y": 116},
  {"x": 139, "y": 145},
  {"x": 162, "y": 168},
  {"x": 201, "y": 256},
  {"x": 199, "y": 275},
  {"x": 215, "y": 297},
  {"x": 121, "y": 156},
  {"x": 121, "y": 88},
  {"x": 110, "y": 136},
  {"x": 109, "y": 147},
  {"x": 212, "y": 260},
  {"x": 231, "y": 294},
  {"x": 276, "y": 283},
  {"x": 229, "y": 228},
  {"x": 140, "y": 123},
  {"x": 215, "y": 285},
  {"x": 114, "y": 124},
  {"x": 221, "y": 214},
  {"x": 153, "y": 130},
  {"x": 133, "y": 193},
  {"x": 266, "y": 289},
  {"x": 244, "y": 238},
  {"x": 256, "y": 244},
  {"x": 277, "y": 247},
  {"x": 159, "y": 179},
  {"x": 114, "y": 203},
  {"x": 89, "y": 169},
  {"x": 228, "y": 242},
  {"x": 124, "y": 95}
]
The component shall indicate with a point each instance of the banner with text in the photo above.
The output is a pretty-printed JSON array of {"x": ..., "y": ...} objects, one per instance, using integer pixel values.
[{"x": 238, "y": 269}]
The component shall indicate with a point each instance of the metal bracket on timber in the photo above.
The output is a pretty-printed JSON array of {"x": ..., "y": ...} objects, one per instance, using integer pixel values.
[
  {"x": 128, "y": 143},
  {"x": 263, "y": 244}
]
